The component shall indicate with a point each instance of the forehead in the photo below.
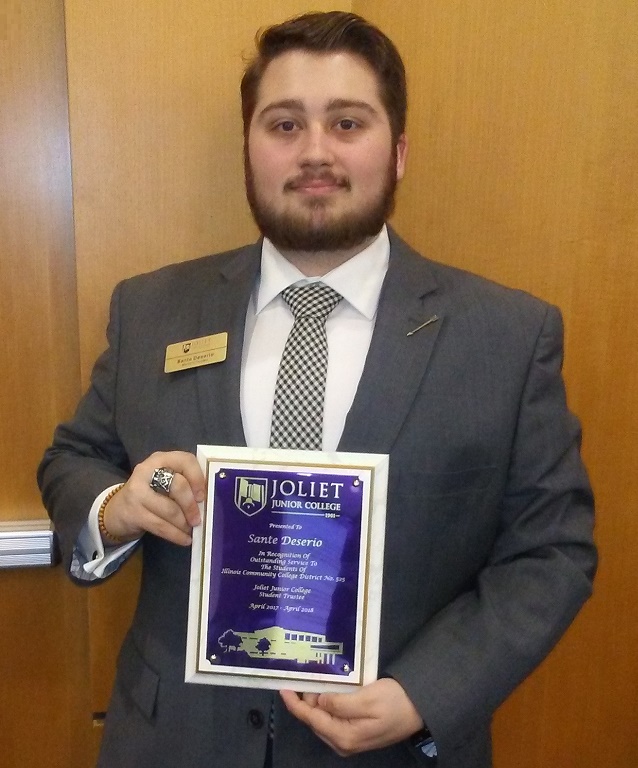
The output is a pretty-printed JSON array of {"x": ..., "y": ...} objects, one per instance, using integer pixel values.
[{"x": 316, "y": 79}]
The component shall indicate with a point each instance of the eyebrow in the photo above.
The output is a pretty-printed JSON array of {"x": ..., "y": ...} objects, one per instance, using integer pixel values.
[{"x": 333, "y": 105}]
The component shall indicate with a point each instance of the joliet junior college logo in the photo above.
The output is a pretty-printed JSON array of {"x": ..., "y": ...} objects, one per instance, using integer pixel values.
[{"x": 250, "y": 494}]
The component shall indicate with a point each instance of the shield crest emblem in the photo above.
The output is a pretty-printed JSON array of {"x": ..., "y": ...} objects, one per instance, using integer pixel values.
[{"x": 250, "y": 494}]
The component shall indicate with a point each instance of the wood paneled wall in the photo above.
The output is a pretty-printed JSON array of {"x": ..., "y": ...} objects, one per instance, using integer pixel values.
[
  {"x": 38, "y": 318},
  {"x": 45, "y": 707},
  {"x": 523, "y": 166},
  {"x": 45, "y": 716}
]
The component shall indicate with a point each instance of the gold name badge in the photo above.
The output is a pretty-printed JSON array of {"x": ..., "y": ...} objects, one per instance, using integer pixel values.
[{"x": 196, "y": 352}]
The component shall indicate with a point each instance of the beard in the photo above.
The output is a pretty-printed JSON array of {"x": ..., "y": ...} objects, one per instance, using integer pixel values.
[{"x": 315, "y": 229}]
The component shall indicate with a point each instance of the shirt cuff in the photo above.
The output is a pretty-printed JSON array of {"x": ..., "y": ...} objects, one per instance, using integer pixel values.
[{"x": 92, "y": 560}]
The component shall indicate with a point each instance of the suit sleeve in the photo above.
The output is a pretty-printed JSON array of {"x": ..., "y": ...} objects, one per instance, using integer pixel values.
[
  {"x": 473, "y": 653},
  {"x": 86, "y": 455}
]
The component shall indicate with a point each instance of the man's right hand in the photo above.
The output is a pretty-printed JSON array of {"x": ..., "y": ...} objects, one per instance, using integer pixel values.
[{"x": 137, "y": 508}]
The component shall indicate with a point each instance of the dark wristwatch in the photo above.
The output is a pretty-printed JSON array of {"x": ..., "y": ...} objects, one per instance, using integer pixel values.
[{"x": 424, "y": 746}]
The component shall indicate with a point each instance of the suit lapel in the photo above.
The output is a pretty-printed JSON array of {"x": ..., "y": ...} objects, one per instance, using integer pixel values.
[
  {"x": 394, "y": 368},
  {"x": 223, "y": 308},
  {"x": 396, "y": 361}
]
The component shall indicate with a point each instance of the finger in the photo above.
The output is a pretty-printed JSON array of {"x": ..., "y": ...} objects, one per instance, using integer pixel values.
[
  {"x": 311, "y": 699},
  {"x": 328, "y": 729},
  {"x": 137, "y": 509},
  {"x": 165, "y": 518},
  {"x": 292, "y": 701},
  {"x": 188, "y": 485},
  {"x": 315, "y": 719},
  {"x": 346, "y": 706},
  {"x": 187, "y": 465},
  {"x": 181, "y": 494},
  {"x": 299, "y": 707}
]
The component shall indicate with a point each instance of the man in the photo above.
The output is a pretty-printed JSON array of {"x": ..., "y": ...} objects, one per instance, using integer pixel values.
[{"x": 489, "y": 551}]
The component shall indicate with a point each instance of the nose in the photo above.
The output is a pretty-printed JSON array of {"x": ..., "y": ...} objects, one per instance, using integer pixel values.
[{"x": 315, "y": 148}]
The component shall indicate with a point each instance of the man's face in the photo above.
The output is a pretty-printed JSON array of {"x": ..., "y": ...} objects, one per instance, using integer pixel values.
[{"x": 321, "y": 167}]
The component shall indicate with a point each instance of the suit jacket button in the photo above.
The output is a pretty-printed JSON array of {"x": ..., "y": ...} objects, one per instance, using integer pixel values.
[{"x": 256, "y": 718}]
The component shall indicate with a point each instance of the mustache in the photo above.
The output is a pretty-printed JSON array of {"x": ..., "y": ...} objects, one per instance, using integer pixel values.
[{"x": 308, "y": 177}]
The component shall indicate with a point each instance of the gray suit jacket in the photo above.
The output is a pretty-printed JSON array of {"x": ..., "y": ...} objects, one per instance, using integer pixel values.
[{"x": 489, "y": 524}]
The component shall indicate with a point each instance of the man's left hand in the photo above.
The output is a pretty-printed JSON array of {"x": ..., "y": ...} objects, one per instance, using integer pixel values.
[{"x": 378, "y": 715}]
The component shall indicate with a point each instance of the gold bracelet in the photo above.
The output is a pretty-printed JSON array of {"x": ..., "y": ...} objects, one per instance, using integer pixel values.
[{"x": 100, "y": 516}]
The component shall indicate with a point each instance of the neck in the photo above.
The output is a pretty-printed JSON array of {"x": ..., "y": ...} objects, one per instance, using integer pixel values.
[{"x": 319, "y": 263}]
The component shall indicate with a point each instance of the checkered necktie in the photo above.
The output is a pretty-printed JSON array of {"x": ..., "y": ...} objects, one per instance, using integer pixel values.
[{"x": 297, "y": 419}]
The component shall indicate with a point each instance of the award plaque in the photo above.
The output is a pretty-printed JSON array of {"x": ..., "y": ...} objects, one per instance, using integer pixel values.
[{"x": 286, "y": 569}]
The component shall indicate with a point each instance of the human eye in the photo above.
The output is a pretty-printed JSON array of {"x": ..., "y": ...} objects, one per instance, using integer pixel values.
[
  {"x": 347, "y": 124},
  {"x": 285, "y": 126}
]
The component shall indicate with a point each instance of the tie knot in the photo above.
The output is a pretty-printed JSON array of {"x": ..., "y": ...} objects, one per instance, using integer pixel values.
[{"x": 312, "y": 300}]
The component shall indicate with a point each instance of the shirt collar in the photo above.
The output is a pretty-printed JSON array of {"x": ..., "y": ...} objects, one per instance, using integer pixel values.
[{"x": 358, "y": 280}]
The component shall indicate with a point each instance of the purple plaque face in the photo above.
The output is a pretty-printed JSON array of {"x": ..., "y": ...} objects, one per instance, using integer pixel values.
[{"x": 285, "y": 570}]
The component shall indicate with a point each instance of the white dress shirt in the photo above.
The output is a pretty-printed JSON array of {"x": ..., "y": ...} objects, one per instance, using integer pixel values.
[
  {"x": 268, "y": 322},
  {"x": 348, "y": 328}
]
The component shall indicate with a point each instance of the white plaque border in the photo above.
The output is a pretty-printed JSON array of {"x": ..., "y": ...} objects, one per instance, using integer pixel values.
[{"x": 373, "y": 466}]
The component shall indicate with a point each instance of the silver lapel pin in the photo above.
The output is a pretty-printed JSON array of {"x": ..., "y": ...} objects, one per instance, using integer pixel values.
[{"x": 433, "y": 319}]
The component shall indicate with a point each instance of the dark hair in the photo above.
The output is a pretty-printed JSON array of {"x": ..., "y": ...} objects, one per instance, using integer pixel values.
[{"x": 330, "y": 32}]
